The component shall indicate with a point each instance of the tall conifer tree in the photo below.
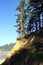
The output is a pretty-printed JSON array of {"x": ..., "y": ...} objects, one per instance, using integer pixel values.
[{"x": 21, "y": 18}]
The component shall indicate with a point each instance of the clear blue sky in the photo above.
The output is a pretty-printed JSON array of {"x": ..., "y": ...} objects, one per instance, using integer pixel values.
[{"x": 7, "y": 21}]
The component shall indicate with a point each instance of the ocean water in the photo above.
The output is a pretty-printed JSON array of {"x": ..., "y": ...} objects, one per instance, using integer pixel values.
[{"x": 3, "y": 55}]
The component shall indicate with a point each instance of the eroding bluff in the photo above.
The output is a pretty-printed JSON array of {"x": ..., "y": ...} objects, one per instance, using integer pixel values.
[{"x": 27, "y": 51}]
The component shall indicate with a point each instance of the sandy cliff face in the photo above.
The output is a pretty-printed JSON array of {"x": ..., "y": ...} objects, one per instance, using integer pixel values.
[
  {"x": 23, "y": 43},
  {"x": 22, "y": 52}
]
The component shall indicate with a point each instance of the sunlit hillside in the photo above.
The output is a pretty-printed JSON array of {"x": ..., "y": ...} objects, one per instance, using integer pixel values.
[{"x": 31, "y": 46}]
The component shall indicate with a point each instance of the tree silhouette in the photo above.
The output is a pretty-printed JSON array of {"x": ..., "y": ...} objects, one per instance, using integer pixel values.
[
  {"x": 22, "y": 17},
  {"x": 36, "y": 11}
]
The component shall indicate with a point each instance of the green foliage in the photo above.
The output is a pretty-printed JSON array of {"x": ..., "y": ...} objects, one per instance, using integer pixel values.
[
  {"x": 35, "y": 9},
  {"x": 28, "y": 19},
  {"x": 22, "y": 17}
]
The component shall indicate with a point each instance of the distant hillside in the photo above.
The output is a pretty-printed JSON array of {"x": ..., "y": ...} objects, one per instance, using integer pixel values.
[{"x": 7, "y": 47}]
